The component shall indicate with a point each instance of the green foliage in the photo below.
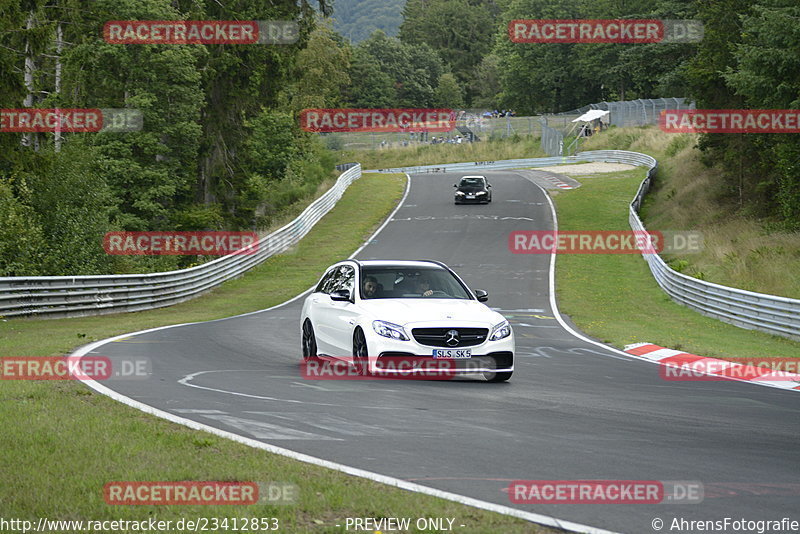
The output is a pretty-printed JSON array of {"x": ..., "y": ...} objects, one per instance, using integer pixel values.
[
  {"x": 545, "y": 78},
  {"x": 72, "y": 205},
  {"x": 678, "y": 143},
  {"x": 449, "y": 93},
  {"x": 389, "y": 73},
  {"x": 194, "y": 165},
  {"x": 370, "y": 87},
  {"x": 358, "y": 19},
  {"x": 272, "y": 143},
  {"x": 486, "y": 83},
  {"x": 321, "y": 71},
  {"x": 752, "y": 60},
  {"x": 21, "y": 240},
  {"x": 460, "y": 31}
]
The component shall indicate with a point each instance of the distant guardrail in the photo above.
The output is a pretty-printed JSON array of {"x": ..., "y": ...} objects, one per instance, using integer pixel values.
[
  {"x": 746, "y": 309},
  {"x": 77, "y": 296}
]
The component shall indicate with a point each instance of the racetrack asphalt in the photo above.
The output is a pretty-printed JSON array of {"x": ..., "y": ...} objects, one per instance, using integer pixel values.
[{"x": 572, "y": 410}]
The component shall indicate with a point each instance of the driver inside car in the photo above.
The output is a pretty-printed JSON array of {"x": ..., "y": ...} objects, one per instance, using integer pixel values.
[
  {"x": 371, "y": 287},
  {"x": 424, "y": 286}
]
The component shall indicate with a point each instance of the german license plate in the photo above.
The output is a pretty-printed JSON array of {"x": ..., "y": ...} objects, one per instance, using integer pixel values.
[
  {"x": 470, "y": 196},
  {"x": 452, "y": 354}
]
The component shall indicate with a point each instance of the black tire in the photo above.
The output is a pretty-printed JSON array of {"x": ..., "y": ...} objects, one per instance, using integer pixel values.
[
  {"x": 360, "y": 353},
  {"x": 498, "y": 377},
  {"x": 309, "y": 342}
]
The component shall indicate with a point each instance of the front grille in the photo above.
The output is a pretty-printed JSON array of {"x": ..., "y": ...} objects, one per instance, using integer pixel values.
[{"x": 437, "y": 337}]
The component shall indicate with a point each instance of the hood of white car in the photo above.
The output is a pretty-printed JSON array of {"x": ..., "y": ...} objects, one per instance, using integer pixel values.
[{"x": 426, "y": 310}]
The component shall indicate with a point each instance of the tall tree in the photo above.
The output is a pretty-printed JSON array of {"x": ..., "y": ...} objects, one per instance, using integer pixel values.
[
  {"x": 321, "y": 71},
  {"x": 767, "y": 75},
  {"x": 460, "y": 31}
]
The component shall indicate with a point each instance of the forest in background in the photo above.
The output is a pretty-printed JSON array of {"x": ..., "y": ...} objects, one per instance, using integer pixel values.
[
  {"x": 221, "y": 149},
  {"x": 355, "y": 20}
]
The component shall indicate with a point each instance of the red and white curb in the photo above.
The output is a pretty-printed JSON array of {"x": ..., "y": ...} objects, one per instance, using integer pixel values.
[
  {"x": 558, "y": 183},
  {"x": 723, "y": 369}
]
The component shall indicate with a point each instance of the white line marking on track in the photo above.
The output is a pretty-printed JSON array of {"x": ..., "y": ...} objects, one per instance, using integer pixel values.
[{"x": 262, "y": 430}]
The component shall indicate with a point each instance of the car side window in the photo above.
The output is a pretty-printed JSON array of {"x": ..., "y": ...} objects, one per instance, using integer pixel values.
[
  {"x": 346, "y": 278},
  {"x": 327, "y": 282}
]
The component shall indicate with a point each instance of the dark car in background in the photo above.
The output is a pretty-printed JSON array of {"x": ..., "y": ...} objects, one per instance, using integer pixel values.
[{"x": 473, "y": 190}]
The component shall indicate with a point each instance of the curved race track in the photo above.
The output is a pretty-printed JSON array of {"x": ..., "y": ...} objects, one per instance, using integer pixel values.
[{"x": 573, "y": 409}]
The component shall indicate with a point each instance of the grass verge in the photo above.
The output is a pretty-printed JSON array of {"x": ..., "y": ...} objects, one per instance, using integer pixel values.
[
  {"x": 62, "y": 442},
  {"x": 614, "y": 298}
]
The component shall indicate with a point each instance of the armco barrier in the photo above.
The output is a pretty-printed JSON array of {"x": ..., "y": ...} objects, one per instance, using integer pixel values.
[
  {"x": 76, "y": 296},
  {"x": 746, "y": 309}
]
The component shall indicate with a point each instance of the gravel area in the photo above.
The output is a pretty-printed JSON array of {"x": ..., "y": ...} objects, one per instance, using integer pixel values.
[{"x": 587, "y": 168}]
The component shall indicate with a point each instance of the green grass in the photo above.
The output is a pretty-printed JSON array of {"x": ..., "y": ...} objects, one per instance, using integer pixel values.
[
  {"x": 614, "y": 297},
  {"x": 62, "y": 442}
]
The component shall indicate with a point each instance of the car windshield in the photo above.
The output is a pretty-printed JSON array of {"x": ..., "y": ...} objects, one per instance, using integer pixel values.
[
  {"x": 472, "y": 182},
  {"x": 410, "y": 282}
]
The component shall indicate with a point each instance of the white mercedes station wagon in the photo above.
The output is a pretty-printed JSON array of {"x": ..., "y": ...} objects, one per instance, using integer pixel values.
[{"x": 368, "y": 312}]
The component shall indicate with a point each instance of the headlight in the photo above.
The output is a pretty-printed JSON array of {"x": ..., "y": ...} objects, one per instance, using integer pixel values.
[
  {"x": 460, "y": 193},
  {"x": 390, "y": 330},
  {"x": 481, "y": 192},
  {"x": 500, "y": 331}
]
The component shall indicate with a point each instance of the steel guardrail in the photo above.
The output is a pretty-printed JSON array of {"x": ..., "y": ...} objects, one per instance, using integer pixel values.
[{"x": 77, "y": 296}]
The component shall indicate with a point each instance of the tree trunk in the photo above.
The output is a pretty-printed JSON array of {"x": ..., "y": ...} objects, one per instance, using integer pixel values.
[
  {"x": 29, "y": 138},
  {"x": 59, "y": 48}
]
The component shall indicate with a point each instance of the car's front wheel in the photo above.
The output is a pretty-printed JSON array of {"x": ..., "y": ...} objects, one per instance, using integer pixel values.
[
  {"x": 360, "y": 353},
  {"x": 309, "y": 341}
]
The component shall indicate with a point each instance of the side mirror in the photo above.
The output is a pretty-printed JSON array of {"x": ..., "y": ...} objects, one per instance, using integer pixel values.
[
  {"x": 455, "y": 185},
  {"x": 488, "y": 185},
  {"x": 482, "y": 295},
  {"x": 341, "y": 295}
]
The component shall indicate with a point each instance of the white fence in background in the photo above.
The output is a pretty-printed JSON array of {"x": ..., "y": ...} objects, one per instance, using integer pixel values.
[{"x": 76, "y": 296}]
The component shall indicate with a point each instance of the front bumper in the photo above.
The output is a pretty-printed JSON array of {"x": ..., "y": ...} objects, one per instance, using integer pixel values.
[
  {"x": 477, "y": 200},
  {"x": 394, "y": 363},
  {"x": 391, "y": 356}
]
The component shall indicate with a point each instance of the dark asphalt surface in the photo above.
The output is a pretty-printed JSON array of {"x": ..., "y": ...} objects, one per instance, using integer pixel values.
[{"x": 572, "y": 410}]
